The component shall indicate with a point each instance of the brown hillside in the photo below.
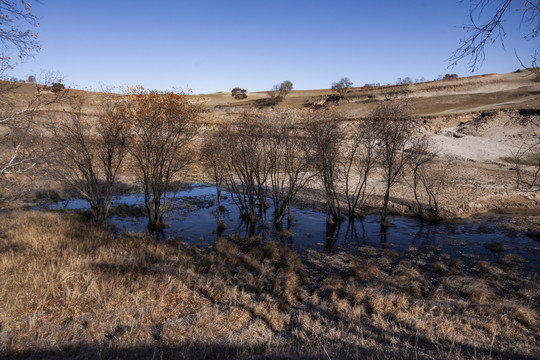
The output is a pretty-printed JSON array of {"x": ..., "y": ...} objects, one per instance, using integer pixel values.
[
  {"x": 473, "y": 124},
  {"x": 518, "y": 90},
  {"x": 444, "y": 97}
]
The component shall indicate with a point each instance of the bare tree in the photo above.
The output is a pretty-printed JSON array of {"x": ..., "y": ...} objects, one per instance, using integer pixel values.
[
  {"x": 279, "y": 91},
  {"x": 342, "y": 86},
  {"x": 20, "y": 106},
  {"x": 426, "y": 179},
  {"x": 289, "y": 161},
  {"x": 486, "y": 27},
  {"x": 360, "y": 157},
  {"x": 263, "y": 157},
  {"x": 528, "y": 154},
  {"x": 245, "y": 172},
  {"x": 395, "y": 131},
  {"x": 90, "y": 151},
  {"x": 17, "y": 38},
  {"x": 285, "y": 87},
  {"x": 326, "y": 138},
  {"x": 163, "y": 126},
  {"x": 214, "y": 153},
  {"x": 517, "y": 157}
]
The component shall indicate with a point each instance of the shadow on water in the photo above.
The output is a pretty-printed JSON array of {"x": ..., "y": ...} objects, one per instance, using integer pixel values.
[{"x": 192, "y": 218}]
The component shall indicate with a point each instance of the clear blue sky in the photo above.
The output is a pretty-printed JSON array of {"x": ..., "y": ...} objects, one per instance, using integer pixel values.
[{"x": 215, "y": 45}]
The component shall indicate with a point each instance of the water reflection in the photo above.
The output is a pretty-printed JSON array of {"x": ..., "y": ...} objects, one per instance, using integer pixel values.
[
  {"x": 193, "y": 218},
  {"x": 426, "y": 236},
  {"x": 384, "y": 237},
  {"x": 332, "y": 234}
]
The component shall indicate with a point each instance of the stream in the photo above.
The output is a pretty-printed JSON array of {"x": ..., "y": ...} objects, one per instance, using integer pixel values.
[{"x": 192, "y": 217}]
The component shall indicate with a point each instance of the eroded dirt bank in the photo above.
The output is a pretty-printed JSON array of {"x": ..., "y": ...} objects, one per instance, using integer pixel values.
[{"x": 472, "y": 171}]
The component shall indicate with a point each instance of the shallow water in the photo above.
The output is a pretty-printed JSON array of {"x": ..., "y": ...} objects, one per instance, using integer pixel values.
[{"x": 192, "y": 218}]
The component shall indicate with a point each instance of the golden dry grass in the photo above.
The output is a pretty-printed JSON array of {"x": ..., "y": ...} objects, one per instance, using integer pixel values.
[{"x": 68, "y": 289}]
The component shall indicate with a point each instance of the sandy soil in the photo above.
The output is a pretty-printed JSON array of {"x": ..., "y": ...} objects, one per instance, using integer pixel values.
[{"x": 477, "y": 178}]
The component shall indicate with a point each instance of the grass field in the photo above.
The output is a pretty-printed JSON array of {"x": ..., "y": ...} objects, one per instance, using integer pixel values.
[{"x": 69, "y": 289}]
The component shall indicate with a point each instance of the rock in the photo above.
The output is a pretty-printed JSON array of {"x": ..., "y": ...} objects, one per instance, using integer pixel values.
[{"x": 494, "y": 246}]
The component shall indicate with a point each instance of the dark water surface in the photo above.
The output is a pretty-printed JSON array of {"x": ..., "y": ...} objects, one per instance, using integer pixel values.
[{"x": 192, "y": 218}]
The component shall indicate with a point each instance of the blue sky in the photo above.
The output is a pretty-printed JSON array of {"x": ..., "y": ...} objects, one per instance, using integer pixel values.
[{"x": 209, "y": 46}]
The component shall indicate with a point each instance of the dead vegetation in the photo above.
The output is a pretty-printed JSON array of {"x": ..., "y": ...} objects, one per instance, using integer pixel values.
[{"x": 69, "y": 289}]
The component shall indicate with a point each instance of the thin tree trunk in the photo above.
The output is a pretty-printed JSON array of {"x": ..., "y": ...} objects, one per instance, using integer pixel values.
[{"x": 384, "y": 212}]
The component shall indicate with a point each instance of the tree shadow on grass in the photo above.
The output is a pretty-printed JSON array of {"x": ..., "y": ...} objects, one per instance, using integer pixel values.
[{"x": 157, "y": 351}]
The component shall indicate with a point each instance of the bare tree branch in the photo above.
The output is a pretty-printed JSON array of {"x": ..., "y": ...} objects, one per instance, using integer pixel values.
[
  {"x": 480, "y": 32},
  {"x": 16, "y": 32}
]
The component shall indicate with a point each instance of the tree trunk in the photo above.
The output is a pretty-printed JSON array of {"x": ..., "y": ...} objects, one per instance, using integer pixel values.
[
  {"x": 220, "y": 224},
  {"x": 384, "y": 211},
  {"x": 289, "y": 217}
]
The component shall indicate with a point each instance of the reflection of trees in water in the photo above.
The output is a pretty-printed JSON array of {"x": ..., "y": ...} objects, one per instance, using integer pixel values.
[
  {"x": 246, "y": 228},
  {"x": 425, "y": 238},
  {"x": 262, "y": 228},
  {"x": 284, "y": 236},
  {"x": 426, "y": 235},
  {"x": 159, "y": 234},
  {"x": 351, "y": 234},
  {"x": 332, "y": 234},
  {"x": 384, "y": 237},
  {"x": 357, "y": 232},
  {"x": 220, "y": 230}
]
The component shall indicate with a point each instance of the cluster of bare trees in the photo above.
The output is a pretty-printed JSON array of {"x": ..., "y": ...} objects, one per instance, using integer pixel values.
[
  {"x": 87, "y": 153},
  {"x": 259, "y": 158},
  {"x": 262, "y": 159},
  {"x": 270, "y": 156},
  {"x": 347, "y": 153},
  {"x": 150, "y": 132}
]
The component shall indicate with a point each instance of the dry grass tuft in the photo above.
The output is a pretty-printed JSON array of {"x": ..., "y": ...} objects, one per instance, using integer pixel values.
[
  {"x": 510, "y": 262},
  {"x": 367, "y": 271},
  {"x": 440, "y": 267},
  {"x": 478, "y": 292},
  {"x": 525, "y": 315},
  {"x": 485, "y": 269}
]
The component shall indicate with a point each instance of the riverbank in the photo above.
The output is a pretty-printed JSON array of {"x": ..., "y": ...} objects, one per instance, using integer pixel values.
[{"x": 469, "y": 190}]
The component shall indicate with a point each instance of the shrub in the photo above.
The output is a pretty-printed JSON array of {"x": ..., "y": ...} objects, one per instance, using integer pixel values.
[
  {"x": 57, "y": 87},
  {"x": 239, "y": 93},
  {"x": 342, "y": 86},
  {"x": 278, "y": 92}
]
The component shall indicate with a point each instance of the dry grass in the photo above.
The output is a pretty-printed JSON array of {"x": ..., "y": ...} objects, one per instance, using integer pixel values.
[{"x": 68, "y": 289}]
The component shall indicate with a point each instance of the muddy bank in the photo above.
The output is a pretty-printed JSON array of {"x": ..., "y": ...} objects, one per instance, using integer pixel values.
[{"x": 470, "y": 188}]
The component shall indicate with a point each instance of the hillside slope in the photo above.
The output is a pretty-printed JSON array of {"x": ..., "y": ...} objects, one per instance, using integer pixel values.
[{"x": 518, "y": 90}]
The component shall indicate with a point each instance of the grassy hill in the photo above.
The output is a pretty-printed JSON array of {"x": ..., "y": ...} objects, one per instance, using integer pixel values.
[
  {"x": 434, "y": 98},
  {"x": 517, "y": 90}
]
